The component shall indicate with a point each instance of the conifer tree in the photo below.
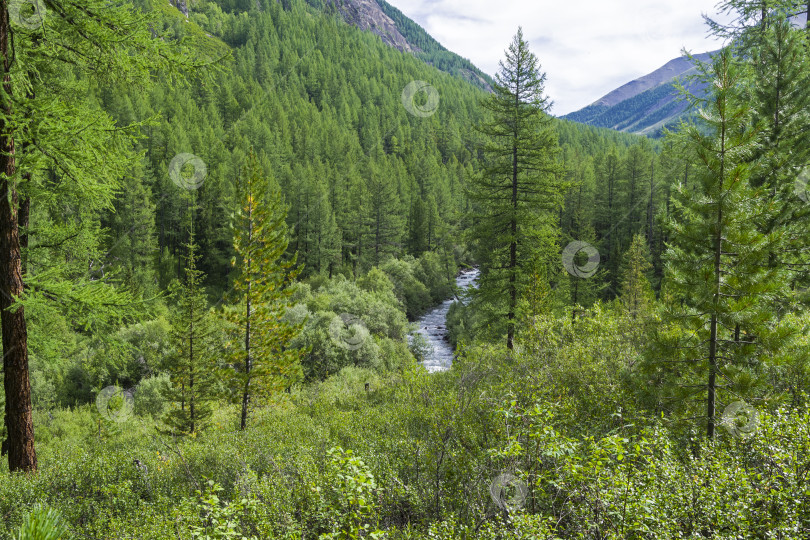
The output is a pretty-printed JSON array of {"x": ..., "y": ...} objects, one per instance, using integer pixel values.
[
  {"x": 357, "y": 223},
  {"x": 43, "y": 127},
  {"x": 636, "y": 292},
  {"x": 520, "y": 191},
  {"x": 417, "y": 228},
  {"x": 636, "y": 165},
  {"x": 133, "y": 239},
  {"x": 434, "y": 223},
  {"x": 781, "y": 97},
  {"x": 607, "y": 214},
  {"x": 714, "y": 260},
  {"x": 261, "y": 355},
  {"x": 384, "y": 220},
  {"x": 330, "y": 242},
  {"x": 192, "y": 367}
]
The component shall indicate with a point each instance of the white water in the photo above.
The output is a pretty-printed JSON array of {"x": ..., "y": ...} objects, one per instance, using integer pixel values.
[{"x": 432, "y": 326}]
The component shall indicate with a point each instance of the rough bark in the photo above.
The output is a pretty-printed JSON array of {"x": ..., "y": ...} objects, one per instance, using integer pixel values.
[{"x": 17, "y": 385}]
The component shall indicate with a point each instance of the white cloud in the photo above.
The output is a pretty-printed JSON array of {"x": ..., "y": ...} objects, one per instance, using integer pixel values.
[{"x": 586, "y": 47}]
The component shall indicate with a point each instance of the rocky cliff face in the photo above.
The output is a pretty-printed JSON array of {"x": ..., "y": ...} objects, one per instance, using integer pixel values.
[
  {"x": 367, "y": 15},
  {"x": 181, "y": 5}
]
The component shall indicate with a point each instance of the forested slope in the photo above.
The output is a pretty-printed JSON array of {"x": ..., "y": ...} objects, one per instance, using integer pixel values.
[
  {"x": 320, "y": 105},
  {"x": 221, "y": 227}
]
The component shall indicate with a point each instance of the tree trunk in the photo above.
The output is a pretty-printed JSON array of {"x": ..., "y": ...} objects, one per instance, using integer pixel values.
[
  {"x": 718, "y": 253},
  {"x": 17, "y": 385},
  {"x": 651, "y": 208},
  {"x": 191, "y": 364},
  {"x": 712, "y": 388},
  {"x": 510, "y": 331}
]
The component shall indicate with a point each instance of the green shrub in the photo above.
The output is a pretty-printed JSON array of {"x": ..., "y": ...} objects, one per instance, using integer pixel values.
[
  {"x": 346, "y": 495},
  {"x": 376, "y": 281},
  {"x": 437, "y": 273},
  {"x": 413, "y": 294},
  {"x": 208, "y": 517},
  {"x": 43, "y": 524},
  {"x": 149, "y": 395}
]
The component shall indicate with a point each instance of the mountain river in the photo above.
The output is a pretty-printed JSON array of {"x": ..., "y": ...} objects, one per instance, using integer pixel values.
[{"x": 433, "y": 326}]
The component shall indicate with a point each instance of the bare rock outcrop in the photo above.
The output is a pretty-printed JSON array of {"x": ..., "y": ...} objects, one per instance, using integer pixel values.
[
  {"x": 367, "y": 15},
  {"x": 181, "y": 5}
]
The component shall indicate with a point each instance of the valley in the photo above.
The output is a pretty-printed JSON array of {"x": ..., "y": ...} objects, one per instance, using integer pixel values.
[{"x": 276, "y": 269}]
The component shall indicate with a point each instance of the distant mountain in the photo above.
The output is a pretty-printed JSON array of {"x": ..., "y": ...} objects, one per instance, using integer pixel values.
[
  {"x": 648, "y": 104},
  {"x": 645, "y": 105},
  {"x": 400, "y": 32}
]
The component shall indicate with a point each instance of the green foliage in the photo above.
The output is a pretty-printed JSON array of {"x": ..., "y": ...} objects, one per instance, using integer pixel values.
[
  {"x": 413, "y": 294},
  {"x": 210, "y": 517},
  {"x": 781, "y": 95},
  {"x": 262, "y": 362},
  {"x": 564, "y": 424},
  {"x": 519, "y": 191},
  {"x": 349, "y": 437},
  {"x": 43, "y": 524},
  {"x": 376, "y": 281},
  {"x": 192, "y": 367},
  {"x": 151, "y": 395},
  {"x": 351, "y": 324},
  {"x": 345, "y": 498},
  {"x": 637, "y": 295},
  {"x": 719, "y": 324},
  {"x": 432, "y": 52}
]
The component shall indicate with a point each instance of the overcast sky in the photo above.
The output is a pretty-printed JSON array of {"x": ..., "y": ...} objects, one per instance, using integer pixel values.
[{"x": 586, "y": 47}]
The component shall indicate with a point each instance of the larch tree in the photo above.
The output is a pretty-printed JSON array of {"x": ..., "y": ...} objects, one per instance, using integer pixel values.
[
  {"x": 636, "y": 292},
  {"x": 384, "y": 221},
  {"x": 417, "y": 228},
  {"x": 262, "y": 360},
  {"x": 715, "y": 258},
  {"x": 519, "y": 192},
  {"x": 192, "y": 367},
  {"x": 781, "y": 99},
  {"x": 55, "y": 148}
]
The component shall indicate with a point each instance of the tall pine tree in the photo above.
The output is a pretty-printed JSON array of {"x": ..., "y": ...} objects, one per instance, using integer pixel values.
[
  {"x": 520, "y": 191},
  {"x": 715, "y": 259},
  {"x": 261, "y": 357},
  {"x": 54, "y": 147},
  {"x": 192, "y": 367}
]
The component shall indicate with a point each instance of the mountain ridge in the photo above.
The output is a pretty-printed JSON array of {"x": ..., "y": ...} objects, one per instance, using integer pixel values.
[
  {"x": 672, "y": 70},
  {"x": 646, "y": 105},
  {"x": 402, "y": 33},
  {"x": 369, "y": 16}
]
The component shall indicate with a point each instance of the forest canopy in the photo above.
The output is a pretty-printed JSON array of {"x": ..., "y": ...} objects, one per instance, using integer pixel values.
[{"x": 225, "y": 221}]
